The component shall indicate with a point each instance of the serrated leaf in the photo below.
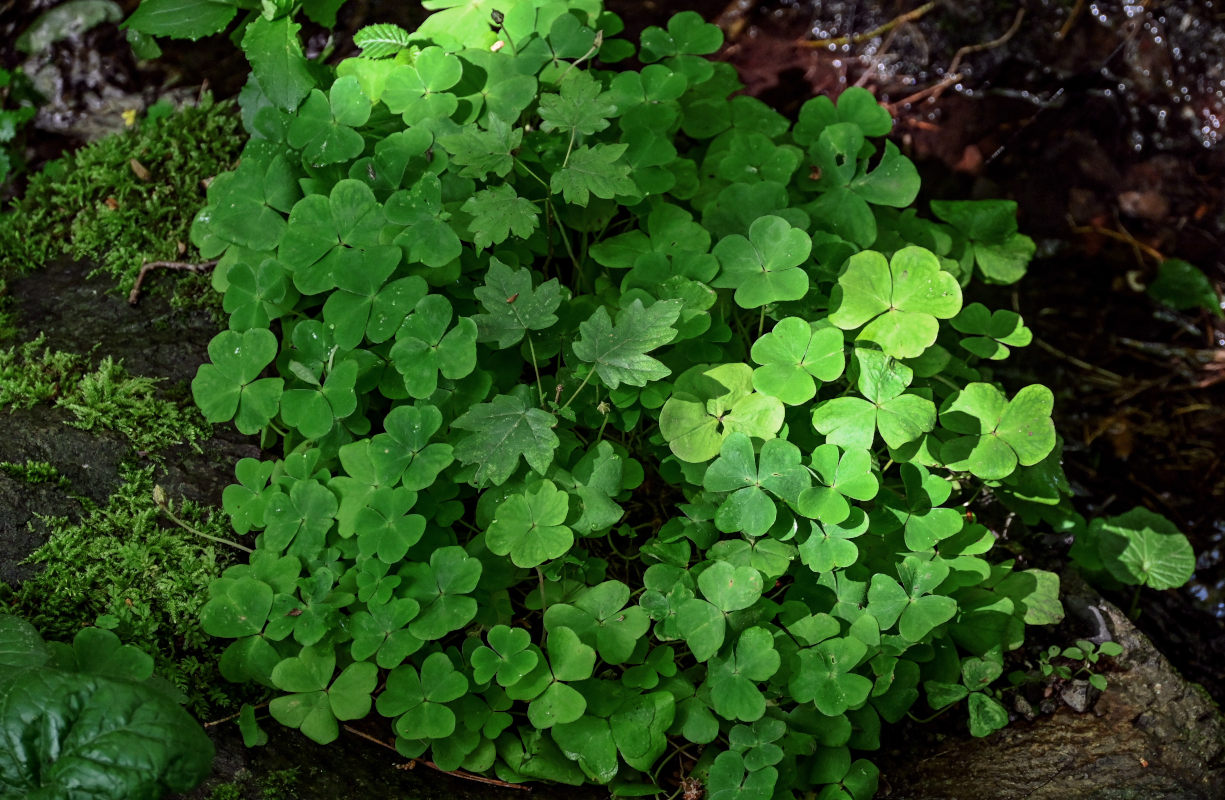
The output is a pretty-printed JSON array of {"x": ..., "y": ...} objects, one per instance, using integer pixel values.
[
  {"x": 593, "y": 170},
  {"x": 501, "y": 432},
  {"x": 381, "y": 40},
  {"x": 619, "y": 350},
  {"x": 513, "y": 307}
]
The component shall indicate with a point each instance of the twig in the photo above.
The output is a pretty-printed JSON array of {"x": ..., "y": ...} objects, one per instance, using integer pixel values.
[
  {"x": 1126, "y": 238},
  {"x": 1071, "y": 20},
  {"x": 919, "y": 95},
  {"x": 134, "y": 295},
  {"x": 857, "y": 38},
  {"x": 458, "y": 773},
  {"x": 224, "y": 720},
  {"x": 991, "y": 45},
  {"x": 1085, "y": 365}
]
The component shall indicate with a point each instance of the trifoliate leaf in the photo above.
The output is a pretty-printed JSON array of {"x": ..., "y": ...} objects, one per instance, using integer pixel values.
[
  {"x": 708, "y": 403},
  {"x": 999, "y": 433},
  {"x": 900, "y": 300},
  {"x": 991, "y": 333},
  {"x": 619, "y": 350},
  {"x": 794, "y": 355},
  {"x": 824, "y": 676},
  {"x": 529, "y": 526},
  {"x": 749, "y": 509},
  {"x": 765, "y": 267}
]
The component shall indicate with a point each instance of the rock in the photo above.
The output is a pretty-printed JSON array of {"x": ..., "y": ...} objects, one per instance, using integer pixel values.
[{"x": 1150, "y": 736}]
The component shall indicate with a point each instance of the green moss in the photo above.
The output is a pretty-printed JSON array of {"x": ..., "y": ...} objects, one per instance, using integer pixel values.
[
  {"x": 94, "y": 205},
  {"x": 107, "y": 397},
  {"x": 123, "y": 567},
  {"x": 34, "y": 472},
  {"x": 279, "y": 784},
  {"x": 31, "y": 373}
]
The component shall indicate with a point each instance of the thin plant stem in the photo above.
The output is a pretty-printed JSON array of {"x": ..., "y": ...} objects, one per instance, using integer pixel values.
[
  {"x": 579, "y": 389},
  {"x": 535, "y": 367}
]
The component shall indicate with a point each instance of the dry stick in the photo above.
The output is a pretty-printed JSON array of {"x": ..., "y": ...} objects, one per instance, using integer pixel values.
[
  {"x": 935, "y": 88},
  {"x": 458, "y": 773},
  {"x": 134, "y": 296},
  {"x": 991, "y": 45},
  {"x": 1067, "y": 26},
  {"x": 954, "y": 76},
  {"x": 1126, "y": 238},
  {"x": 1085, "y": 365},
  {"x": 227, "y": 719},
  {"x": 858, "y": 38}
]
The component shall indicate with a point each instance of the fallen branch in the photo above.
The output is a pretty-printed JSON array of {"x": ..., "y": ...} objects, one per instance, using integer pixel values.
[
  {"x": 134, "y": 295},
  {"x": 858, "y": 38},
  {"x": 991, "y": 45}
]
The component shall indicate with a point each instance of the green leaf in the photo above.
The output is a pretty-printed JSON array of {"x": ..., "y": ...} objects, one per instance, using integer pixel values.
[
  {"x": 1145, "y": 549},
  {"x": 418, "y": 93},
  {"x": 851, "y": 422},
  {"x": 501, "y": 432},
  {"x": 992, "y": 333},
  {"x": 729, "y": 780},
  {"x": 828, "y": 546},
  {"x": 321, "y": 130},
  {"x": 581, "y": 108},
  {"x": 999, "y": 434},
  {"x": 986, "y": 714},
  {"x": 314, "y": 411},
  {"x": 181, "y": 19},
  {"x": 513, "y": 306},
  {"x": 794, "y": 356},
  {"x": 598, "y": 170},
  {"x": 507, "y": 657},
  {"x": 900, "y": 300},
  {"x": 425, "y": 347},
  {"x": 618, "y": 350},
  {"x": 427, "y": 237},
  {"x": 499, "y": 212},
  {"x": 230, "y": 387},
  {"x": 599, "y": 615},
  {"x": 1181, "y": 285},
  {"x": 840, "y": 475},
  {"x": 236, "y": 607},
  {"x": 733, "y": 680},
  {"x": 709, "y": 403},
  {"x": 482, "y": 151},
  {"x": 748, "y": 508},
  {"x": 824, "y": 676},
  {"x": 730, "y": 588},
  {"x": 381, "y": 40},
  {"x": 640, "y": 728},
  {"x": 441, "y": 587},
  {"x": 765, "y": 267},
  {"x": 687, "y": 34},
  {"x": 528, "y": 526},
  {"x": 277, "y": 60}
]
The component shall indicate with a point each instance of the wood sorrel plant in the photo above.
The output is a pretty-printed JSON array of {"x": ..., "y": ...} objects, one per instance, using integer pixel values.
[{"x": 627, "y": 426}]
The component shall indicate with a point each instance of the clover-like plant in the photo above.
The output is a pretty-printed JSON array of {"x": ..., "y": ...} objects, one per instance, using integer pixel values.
[{"x": 623, "y": 422}]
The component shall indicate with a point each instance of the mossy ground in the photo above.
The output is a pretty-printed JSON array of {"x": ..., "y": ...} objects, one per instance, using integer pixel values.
[
  {"x": 126, "y": 199},
  {"x": 118, "y": 562}
]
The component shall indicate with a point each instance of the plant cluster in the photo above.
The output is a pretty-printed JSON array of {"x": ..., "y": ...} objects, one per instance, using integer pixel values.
[
  {"x": 627, "y": 426},
  {"x": 90, "y": 719},
  {"x": 125, "y": 199},
  {"x": 1068, "y": 663},
  {"x": 120, "y": 568}
]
